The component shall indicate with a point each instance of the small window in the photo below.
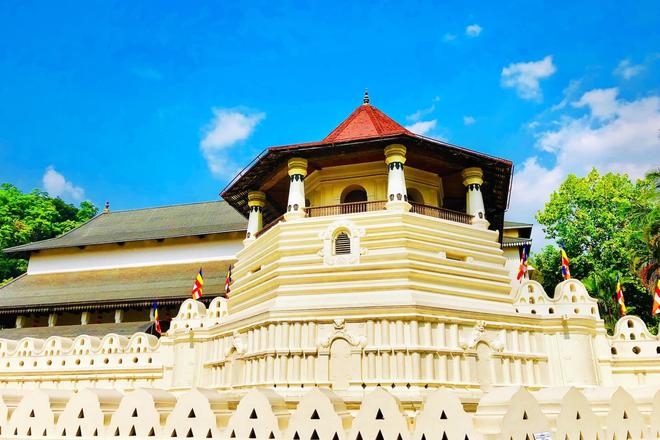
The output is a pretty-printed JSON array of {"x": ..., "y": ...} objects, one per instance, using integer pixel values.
[{"x": 342, "y": 244}]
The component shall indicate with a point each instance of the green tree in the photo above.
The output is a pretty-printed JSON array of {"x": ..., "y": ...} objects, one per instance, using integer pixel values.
[
  {"x": 27, "y": 217},
  {"x": 600, "y": 221},
  {"x": 647, "y": 259}
]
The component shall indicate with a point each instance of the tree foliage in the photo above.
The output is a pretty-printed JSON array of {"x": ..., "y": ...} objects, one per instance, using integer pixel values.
[
  {"x": 604, "y": 222},
  {"x": 27, "y": 217}
]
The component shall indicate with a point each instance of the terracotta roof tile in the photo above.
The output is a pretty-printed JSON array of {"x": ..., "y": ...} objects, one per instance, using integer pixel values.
[{"x": 365, "y": 122}]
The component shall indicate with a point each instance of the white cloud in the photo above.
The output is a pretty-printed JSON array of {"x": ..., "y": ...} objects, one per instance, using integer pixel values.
[
  {"x": 602, "y": 103},
  {"x": 448, "y": 37},
  {"x": 627, "y": 70},
  {"x": 419, "y": 114},
  {"x": 468, "y": 120},
  {"x": 614, "y": 135},
  {"x": 524, "y": 77},
  {"x": 569, "y": 94},
  {"x": 56, "y": 185},
  {"x": 227, "y": 128},
  {"x": 423, "y": 127},
  {"x": 473, "y": 30}
]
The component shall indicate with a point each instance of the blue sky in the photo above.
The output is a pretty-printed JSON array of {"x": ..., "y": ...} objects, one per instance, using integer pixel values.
[{"x": 152, "y": 103}]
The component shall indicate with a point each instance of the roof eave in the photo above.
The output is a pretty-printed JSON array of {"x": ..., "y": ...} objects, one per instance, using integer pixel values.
[{"x": 27, "y": 248}]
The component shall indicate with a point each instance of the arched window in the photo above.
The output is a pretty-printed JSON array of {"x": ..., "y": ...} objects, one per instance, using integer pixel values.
[
  {"x": 342, "y": 244},
  {"x": 414, "y": 196},
  {"x": 354, "y": 193}
]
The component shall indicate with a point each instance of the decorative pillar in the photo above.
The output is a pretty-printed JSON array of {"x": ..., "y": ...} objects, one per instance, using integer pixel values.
[
  {"x": 397, "y": 197},
  {"x": 296, "y": 205},
  {"x": 52, "y": 320},
  {"x": 256, "y": 202},
  {"x": 119, "y": 316},
  {"x": 474, "y": 201},
  {"x": 21, "y": 320},
  {"x": 85, "y": 317}
]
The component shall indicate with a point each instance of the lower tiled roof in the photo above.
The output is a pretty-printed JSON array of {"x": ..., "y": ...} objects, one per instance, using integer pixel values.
[
  {"x": 147, "y": 224},
  {"x": 135, "y": 286},
  {"x": 71, "y": 331}
]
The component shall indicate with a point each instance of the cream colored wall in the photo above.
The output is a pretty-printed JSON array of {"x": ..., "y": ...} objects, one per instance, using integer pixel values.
[
  {"x": 136, "y": 254},
  {"x": 510, "y": 413},
  {"x": 552, "y": 342},
  {"x": 401, "y": 259},
  {"x": 324, "y": 187},
  {"x": 392, "y": 365},
  {"x": 512, "y": 264},
  {"x": 421, "y": 304}
]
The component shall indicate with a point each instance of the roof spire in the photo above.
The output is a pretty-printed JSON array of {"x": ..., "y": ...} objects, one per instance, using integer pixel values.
[
  {"x": 365, "y": 100},
  {"x": 107, "y": 207}
]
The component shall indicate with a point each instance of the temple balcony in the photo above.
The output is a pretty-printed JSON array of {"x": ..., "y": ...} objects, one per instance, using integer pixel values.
[{"x": 376, "y": 205}]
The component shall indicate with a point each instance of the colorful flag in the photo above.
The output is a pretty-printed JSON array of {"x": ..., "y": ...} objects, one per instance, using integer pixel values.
[
  {"x": 522, "y": 270},
  {"x": 565, "y": 270},
  {"x": 228, "y": 281},
  {"x": 656, "y": 300},
  {"x": 197, "y": 287},
  {"x": 619, "y": 297},
  {"x": 154, "y": 314}
]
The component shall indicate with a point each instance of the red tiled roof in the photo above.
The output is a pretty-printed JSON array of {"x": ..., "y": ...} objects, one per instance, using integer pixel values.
[{"x": 365, "y": 122}]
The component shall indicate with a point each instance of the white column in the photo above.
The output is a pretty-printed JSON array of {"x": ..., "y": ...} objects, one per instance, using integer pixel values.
[
  {"x": 21, "y": 321},
  {"x": 52, "y": 320},
  {"x": 397, "y": 197},
  {"x": 474, "y": 201},
  {"x": 296, "y": 205},
  {"x": 256, "y": 202},
  {"x": 85, "y": 317},
  {"x": 119, "y": 316}
]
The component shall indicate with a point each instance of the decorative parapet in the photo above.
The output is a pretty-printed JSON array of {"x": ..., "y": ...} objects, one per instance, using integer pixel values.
[
  {"x": 570, "y": 300},
  {"x": 632, "y": 340},
  {"x": 193, "y": 314},
  {"x": 509, "y": 412},
  {"x": 57, "y": 358}
]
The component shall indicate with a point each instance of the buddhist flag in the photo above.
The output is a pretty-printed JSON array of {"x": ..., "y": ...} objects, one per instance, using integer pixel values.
[
  {"x": 656, "y": 300},
  {"x": 522, "y": 270},
  {"x": 228, "y": 282},
  {"x": 619, "y": 297},
  {"x": 565, "y": 270},
  {"x": 154, "y": 318},
  {"x": 197, "y": 287}
]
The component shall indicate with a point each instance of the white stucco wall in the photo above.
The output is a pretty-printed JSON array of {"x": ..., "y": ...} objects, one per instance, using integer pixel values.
[{"x": 146, "y": 253}]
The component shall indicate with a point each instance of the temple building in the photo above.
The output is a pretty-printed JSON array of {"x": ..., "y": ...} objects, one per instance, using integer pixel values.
[
  {"x": 374, "y": 297},
  {"x": 105, "y": 275}
]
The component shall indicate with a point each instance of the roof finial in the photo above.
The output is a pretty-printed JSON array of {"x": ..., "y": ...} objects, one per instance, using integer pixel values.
[
  {"x": 365, "y": 100},
  {"x": 107, "y": 207}
]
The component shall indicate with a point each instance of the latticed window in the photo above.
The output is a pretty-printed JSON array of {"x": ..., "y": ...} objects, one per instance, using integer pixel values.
[{"x": 342, "y": 244}]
